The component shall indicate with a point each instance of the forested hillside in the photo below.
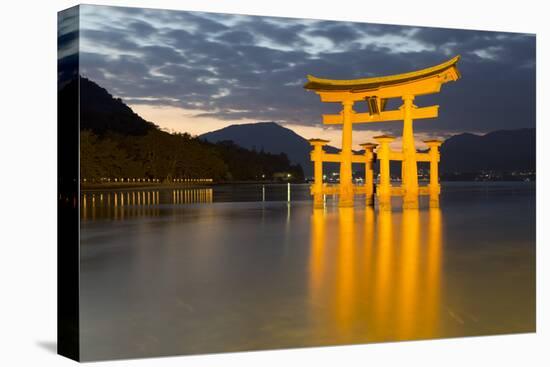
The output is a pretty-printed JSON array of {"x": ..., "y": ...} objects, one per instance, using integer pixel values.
[{"x": 115, "y": 142}]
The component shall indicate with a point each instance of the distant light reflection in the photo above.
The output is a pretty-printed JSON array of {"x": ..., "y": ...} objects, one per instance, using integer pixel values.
[{"x": 137, "y": 203}]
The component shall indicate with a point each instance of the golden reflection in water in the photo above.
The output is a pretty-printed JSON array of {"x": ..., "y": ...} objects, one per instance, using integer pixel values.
[
  {"x": 382, "y": 296},
  {"x": 382, "y": 285},
  {"x": 409, "y": 272},
  {"x": 288, "y": 192},
  {"x": 367, "y": 259},
  {"x": 368, "y": 240},
  {"x": 135, "y": 203},
  {"x": 84, "y": 208},
  {"x": 317, "y": 257},
  {"x": 345, "y": 277},
  {"x": 433, "y": 272},
  {"x": 189, "y": 196},
  {"x": 93, "y": 207}
]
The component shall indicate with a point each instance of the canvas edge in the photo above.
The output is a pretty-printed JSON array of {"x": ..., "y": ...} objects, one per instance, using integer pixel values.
[{"x": 68, "y": 185}]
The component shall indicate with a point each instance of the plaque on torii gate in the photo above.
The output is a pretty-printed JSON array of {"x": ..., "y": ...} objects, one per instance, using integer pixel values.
[{"x": 376, "y": 92}]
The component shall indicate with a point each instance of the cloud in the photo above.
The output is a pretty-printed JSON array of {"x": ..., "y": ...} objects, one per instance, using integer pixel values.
[
  {"x": 67, "y": 46},
  {"x": 245, "y": 68}
]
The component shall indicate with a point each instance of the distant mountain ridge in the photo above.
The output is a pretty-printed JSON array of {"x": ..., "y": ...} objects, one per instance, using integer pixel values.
[
  {"x": 502, "y": 150},
  {"x": 269, "y": 137}
]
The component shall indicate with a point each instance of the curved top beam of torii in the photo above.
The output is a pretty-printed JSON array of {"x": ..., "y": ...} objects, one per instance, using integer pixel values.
[
  {"x": 445, "y": 69},
  {"x": 425, "y": 81}
]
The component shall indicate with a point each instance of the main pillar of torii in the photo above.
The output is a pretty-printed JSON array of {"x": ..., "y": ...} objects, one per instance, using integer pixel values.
[{"x": 376, "y": 92}]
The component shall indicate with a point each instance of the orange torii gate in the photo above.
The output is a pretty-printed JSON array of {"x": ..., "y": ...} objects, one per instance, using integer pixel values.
[{"x": 376, "y": 92}]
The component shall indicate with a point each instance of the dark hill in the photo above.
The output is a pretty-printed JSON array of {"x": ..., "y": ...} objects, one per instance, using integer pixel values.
[
  {"x": 101, "y": 112},
  {"x": 501, "y": 151},
  {"x": 115, "y": 142},
  {"x": 269, "y": 137}
]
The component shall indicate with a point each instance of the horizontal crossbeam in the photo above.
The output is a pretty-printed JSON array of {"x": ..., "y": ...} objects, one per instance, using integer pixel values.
[
  {"x": 337, "y": 157},
  {"x": 423, "y": 157},
  {"x": 360, "y": 158},
  {"x": 420, "y": 157},
  {"x": 394, "y": 115}
]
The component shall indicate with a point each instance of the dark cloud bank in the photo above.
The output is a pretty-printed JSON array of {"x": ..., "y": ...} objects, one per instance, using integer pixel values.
[{"x": 248, "y": 67}]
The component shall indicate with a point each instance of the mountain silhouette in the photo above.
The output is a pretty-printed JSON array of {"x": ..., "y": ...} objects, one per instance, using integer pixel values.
[
  {"x": 101, "y": 112},
  {"x": 501, "y": 151},
  {"x": 269, "y": 137}
]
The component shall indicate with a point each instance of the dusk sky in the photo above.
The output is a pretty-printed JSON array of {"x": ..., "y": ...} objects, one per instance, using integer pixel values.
[{"x": 198, "y": 72}]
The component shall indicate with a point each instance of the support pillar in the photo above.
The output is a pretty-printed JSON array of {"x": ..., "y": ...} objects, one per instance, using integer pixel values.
[
  {"x": 409, "y": 171},
  {"x": 383, "y": 190},
  {"x": 317, "y": 159},
  {"x": 346, "y": 183},
  {"x": 369, "y": 173},
  {"x": 434, "y": 186}
]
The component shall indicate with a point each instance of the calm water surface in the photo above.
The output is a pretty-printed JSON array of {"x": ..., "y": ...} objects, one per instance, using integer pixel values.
[{"x": 232, "y": 268}]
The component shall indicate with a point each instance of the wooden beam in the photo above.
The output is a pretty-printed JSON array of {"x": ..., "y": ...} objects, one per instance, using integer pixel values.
[
  {"x": 394, "y": 115},
  {"x": 331, "y": 157},
  {"x": 423, "y": 157},
  {"x": 396, "y": 156},
  {"x": 443, "y": 72},
  {"x": 356, "y": 158},
  {"x": 428, "y": 85}
]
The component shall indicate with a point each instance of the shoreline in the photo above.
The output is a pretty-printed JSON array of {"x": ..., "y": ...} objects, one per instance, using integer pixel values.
[
  {"x": 157, "y": 186},
  {"x": 189, "y": 185}
]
